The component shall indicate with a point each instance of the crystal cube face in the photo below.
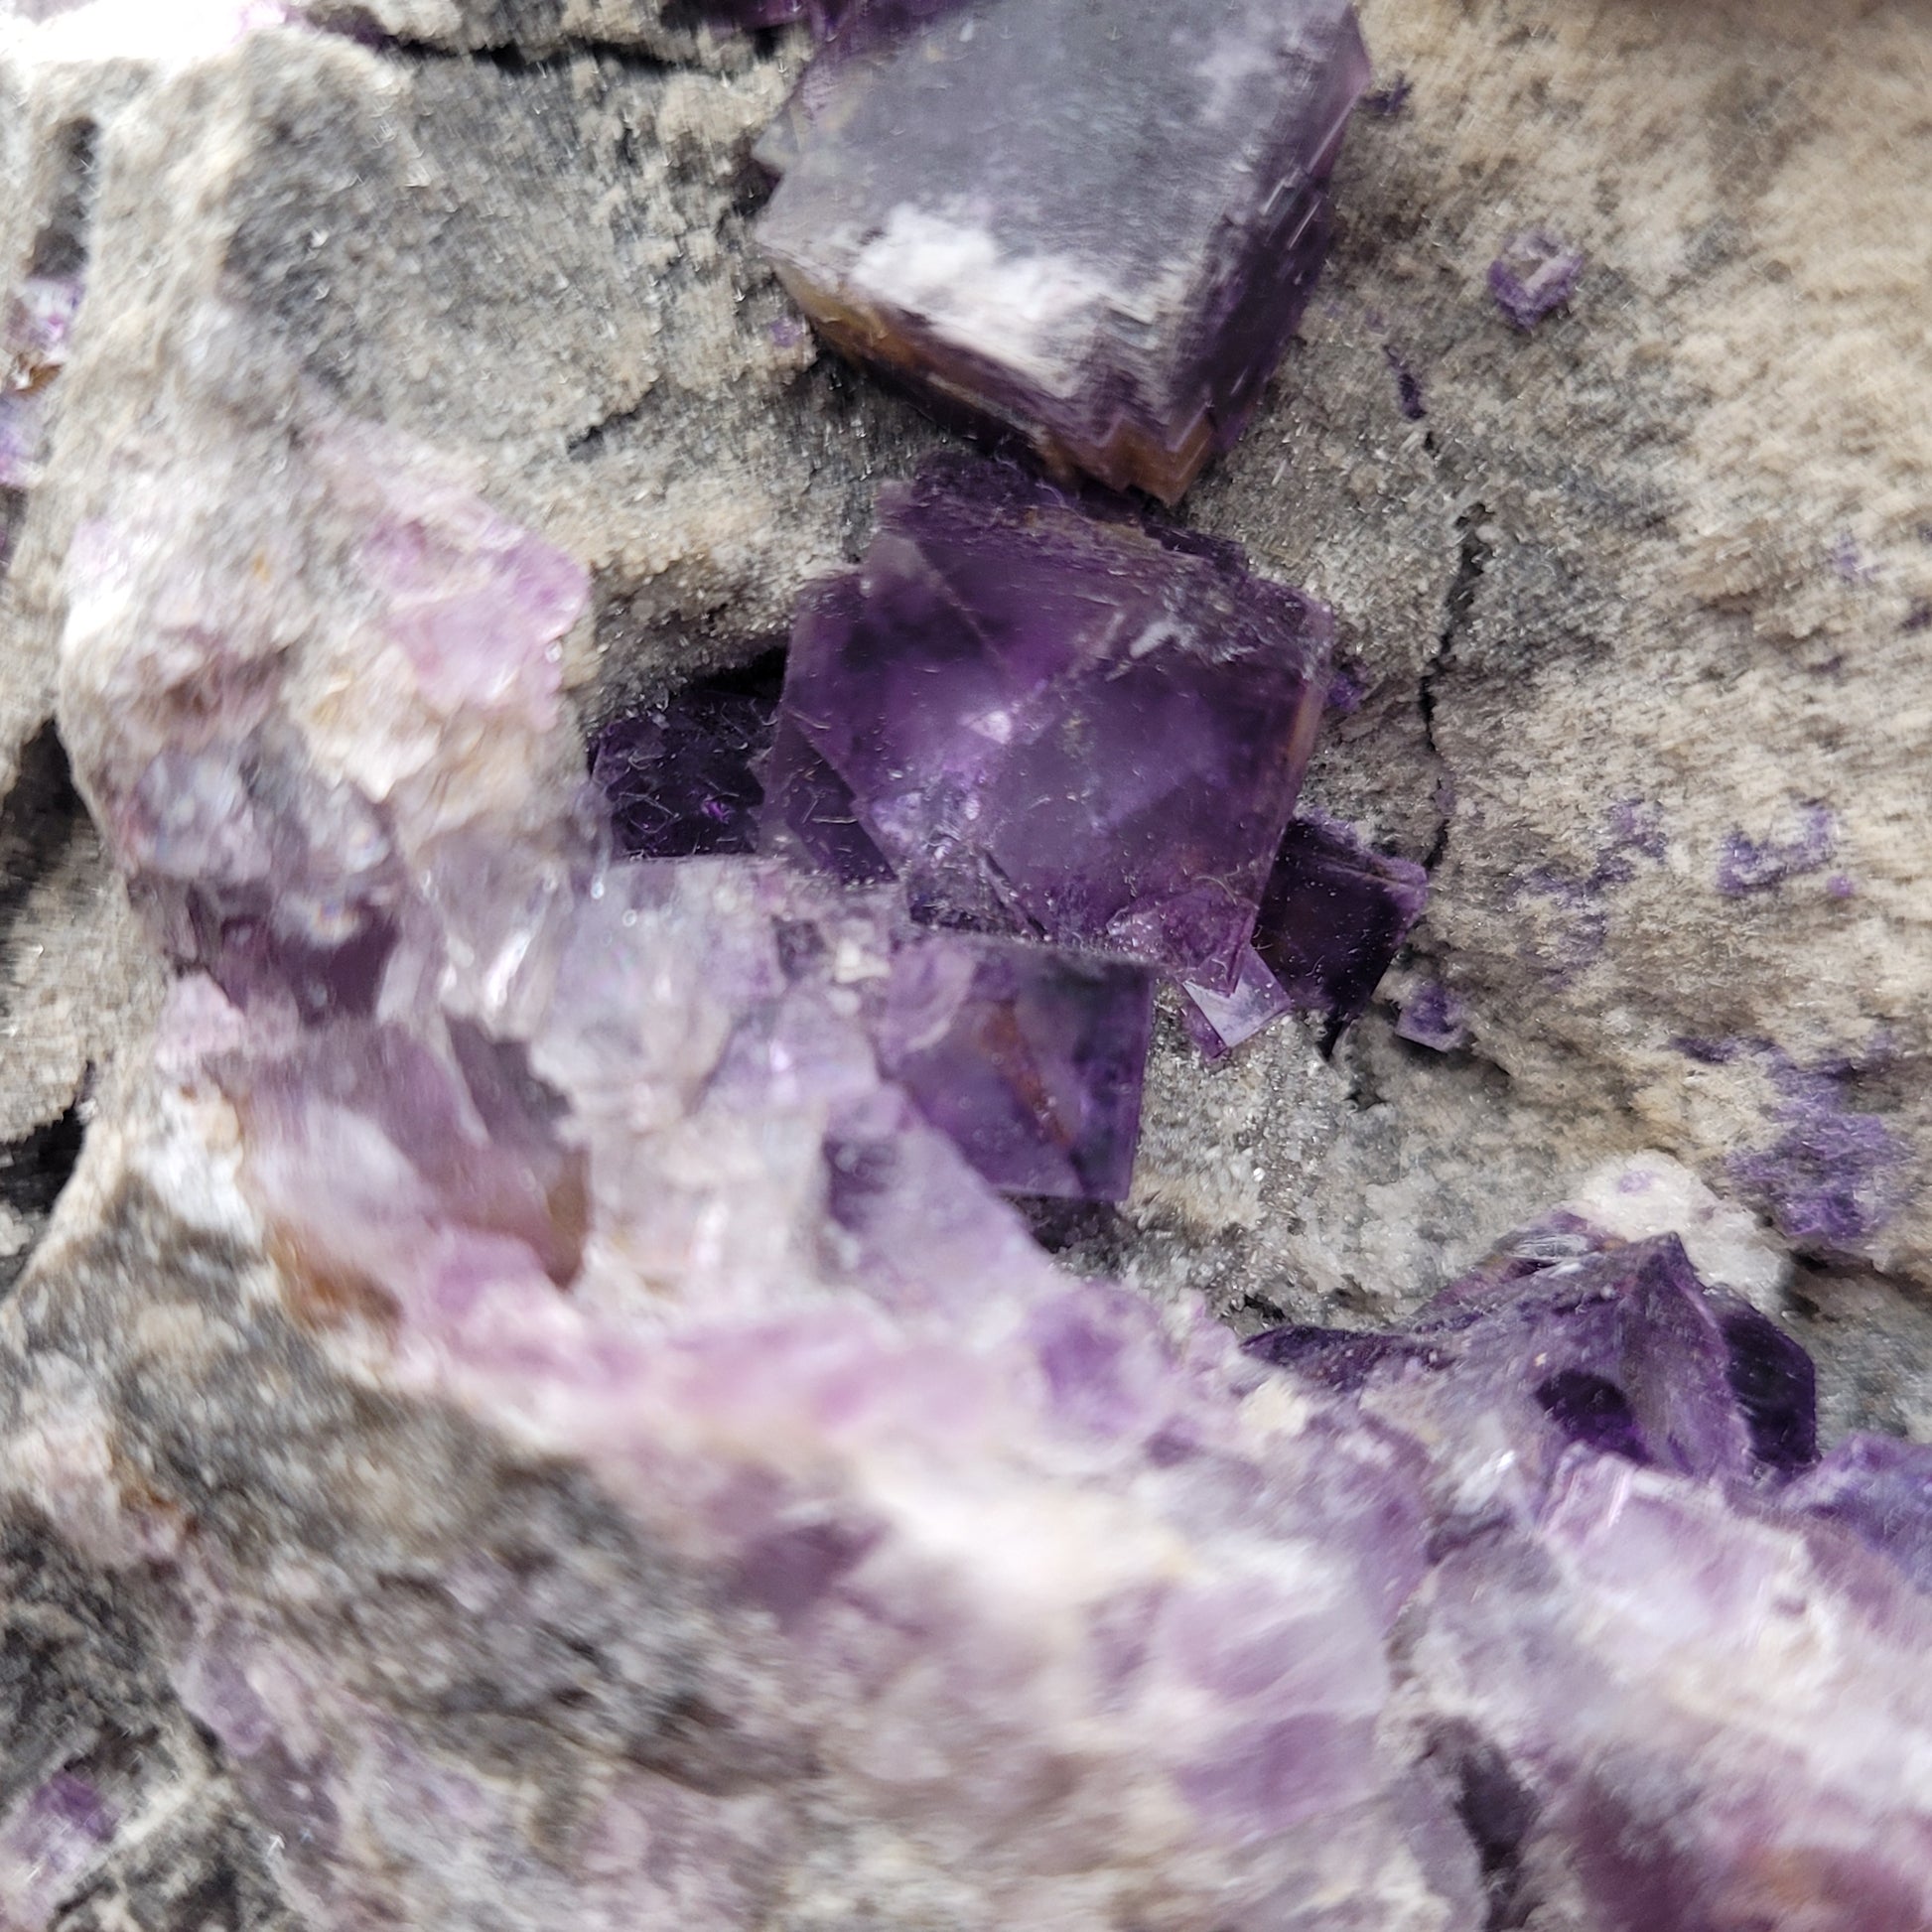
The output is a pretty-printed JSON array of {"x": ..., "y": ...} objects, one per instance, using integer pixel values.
[
  {"x": 1030, "y": 1058},
  {"x": 1052, "y": 725},
  {"x": 1094, "y": 224}
]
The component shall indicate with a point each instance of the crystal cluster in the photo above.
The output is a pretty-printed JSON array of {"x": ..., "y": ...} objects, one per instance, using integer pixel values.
[
  {"x": 1095, "y": 226},
  {"x": 1090, "y": 731},
  {"x": 1061, "y": 723},
  {"x": 920, "y": 1582},
  {"x": 1664, "y": 1646}
]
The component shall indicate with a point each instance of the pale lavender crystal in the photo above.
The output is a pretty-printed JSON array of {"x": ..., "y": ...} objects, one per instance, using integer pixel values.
[
  {"x": 1030, "y": 1058},
  {"x": 968, "y": 199},
  {"x": 1879, "y": 1488},
  {"x": 1092, "y": 731},
  {"x": 1534, "y": 274}
]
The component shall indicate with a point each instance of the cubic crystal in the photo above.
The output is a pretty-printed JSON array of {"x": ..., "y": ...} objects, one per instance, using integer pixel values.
[
  {"x": 683, "y": 777},
  {"x": 1331, "y": 919},
  {"x": 1028, "y": 1058},
  {"x": 971, "y": 198},
  {"x": 1091, "y": 731},
  {"x": 1534, "y": 274}
]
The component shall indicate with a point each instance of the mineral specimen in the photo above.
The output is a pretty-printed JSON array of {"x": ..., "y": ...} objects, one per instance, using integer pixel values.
[
  {"x": 1030, "y": 1058},
  {"x": 682, "y": 777},
  {"x": 706, "y": 1445},
  {"x": 1535, "y": 275},
  {"x": 1090, "y": 731},
  {"x": 970, "y": 196},
  {"x": 1333, "y": 916}
]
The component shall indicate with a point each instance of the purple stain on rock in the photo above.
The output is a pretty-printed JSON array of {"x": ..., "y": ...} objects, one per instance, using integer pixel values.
[
  {"x": 1919, "y": 618},
  {"x": 1831, "y": 1179},
  {"x": 1849, "y": 561},
  {"x": 1834, "y": 1176},
  {"x": 1408, "y": 386},
  {"x": 1391, "y": 99},
  {"x": 1746, "y": 864},
  {"x": 1435, "y": 1016},
  {"x": 1047, "y": 724},
  {"x": 933, "y": 216},
  {"x": 1534, "y": 274}
]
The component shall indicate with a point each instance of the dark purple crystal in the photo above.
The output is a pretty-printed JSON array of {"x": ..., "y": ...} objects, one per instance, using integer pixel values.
[
  {"x": 1570, "y": 1341},
  {"x": 970, "y": 197},
  {"x": 682, "y": 777},
  {"x": 1331, "y": 919},
  {"x": 1536, "y": 274},
  {"x": 1090, "y": 731},
  {"x": 1028, "y": 1058}
]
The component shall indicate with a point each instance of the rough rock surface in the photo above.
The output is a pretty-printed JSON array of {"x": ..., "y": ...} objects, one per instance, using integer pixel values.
[{"x": 1630, "y": 595}]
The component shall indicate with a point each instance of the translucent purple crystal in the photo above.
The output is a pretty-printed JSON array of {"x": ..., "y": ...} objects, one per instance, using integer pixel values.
[
  {"x": 1563, "y": 1339},
  {"x": 1435, "y": 1016},
  {"x": 683, "y": 778},
  {"x": 1534, "y": 274},
  {"x": 1030, "y": 1058},
  {"x": 1331, "y": 919},
  {"x": 1091, "y": 731},
  {"x": 1880, "y": 1490},
  {"x": 968, "y": 198}
]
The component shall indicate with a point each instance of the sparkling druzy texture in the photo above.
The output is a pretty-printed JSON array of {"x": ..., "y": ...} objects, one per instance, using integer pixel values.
[
  {"x": 1048, "y": 723},
  {"x": 1094, "y": 224}
]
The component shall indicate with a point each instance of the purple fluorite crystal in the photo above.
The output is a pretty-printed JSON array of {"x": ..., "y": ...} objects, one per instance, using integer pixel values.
[
  {"x": 1534, "y": 274},
  {"x": 1880, "y": 1490},
  {"x": 968, "y": 197},
  {"x": 1092, "y": 731},
  {"x": 1030, "y": 1058},
  {"x": 683, "y": 777},
  {"x": 1331, "y": 919},
  {"x": 1565, "y": 1338},
  {"x": 1435, "y": 1016}
]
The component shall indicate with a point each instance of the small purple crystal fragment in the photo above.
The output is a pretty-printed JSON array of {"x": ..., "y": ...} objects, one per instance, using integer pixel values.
[
  {"x": 681, "y": 778},
  {"x": 1217, "y": 1022},
  {"x": 1335, "y": 914},
  {"x": 1436, "y": 1018},
  {"x": 1089, "y": 731},
  {"x": 1534, "y": 274},
  {"x": 967, "y": 198},
  {"x": 1028, "y": 1058},
  {"x": 1880, "y": 1490}
]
